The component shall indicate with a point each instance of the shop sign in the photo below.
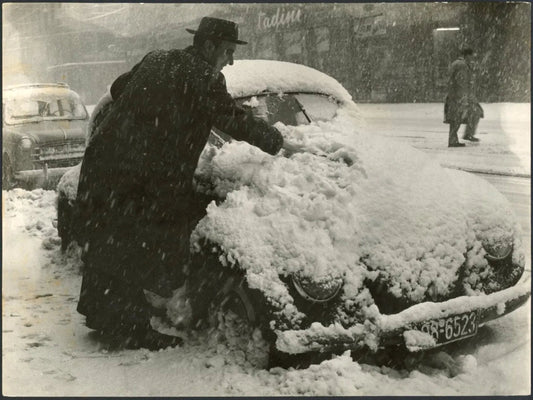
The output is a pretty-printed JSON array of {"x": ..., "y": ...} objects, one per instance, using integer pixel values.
[{"x": 279, "y": 18}]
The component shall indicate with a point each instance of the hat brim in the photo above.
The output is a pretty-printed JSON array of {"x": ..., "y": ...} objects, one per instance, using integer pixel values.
[{"x": 237, "y": 41}]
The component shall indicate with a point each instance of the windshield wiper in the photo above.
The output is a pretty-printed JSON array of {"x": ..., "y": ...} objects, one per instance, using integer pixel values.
[{"x": 302, "y": 108}]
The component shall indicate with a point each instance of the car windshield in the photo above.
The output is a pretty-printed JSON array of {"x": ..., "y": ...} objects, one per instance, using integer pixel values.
[
  {"x": 43, "y": 107},
  {"x": 291, "y": 109}
]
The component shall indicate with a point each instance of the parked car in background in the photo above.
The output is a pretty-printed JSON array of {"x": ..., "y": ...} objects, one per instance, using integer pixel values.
[
  {"x": 43, "y": 133},
  {"x": 355, "y": 243}
]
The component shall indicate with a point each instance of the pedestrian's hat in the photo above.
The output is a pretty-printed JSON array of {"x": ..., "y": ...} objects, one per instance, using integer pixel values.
[
  {"x": 218, "y": 28},
  {"x": 466, "y": 50}
]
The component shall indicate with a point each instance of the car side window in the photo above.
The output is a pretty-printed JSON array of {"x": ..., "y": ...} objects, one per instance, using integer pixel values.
[
  {"x": 44, "y": 108},
  {"x": 54, "y": 108}
]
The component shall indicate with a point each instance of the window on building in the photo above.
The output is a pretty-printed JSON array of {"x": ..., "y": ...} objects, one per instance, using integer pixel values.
[{"x": 322, "y": 39}]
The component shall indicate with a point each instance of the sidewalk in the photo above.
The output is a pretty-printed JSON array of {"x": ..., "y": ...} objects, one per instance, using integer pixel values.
[{"x": 504, "y": 133}]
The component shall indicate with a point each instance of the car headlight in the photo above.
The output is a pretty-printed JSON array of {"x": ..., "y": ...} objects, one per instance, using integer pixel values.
[
  {"x": 317, "y": 290},
  {"x": 498, "y": 250},
  {"x": 26, "y": 143}
]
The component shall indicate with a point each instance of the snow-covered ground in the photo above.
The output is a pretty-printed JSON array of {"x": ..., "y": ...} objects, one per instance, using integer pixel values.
[
  {"x": 504, "y": 133},
  {"x": 47, "y": 351}
]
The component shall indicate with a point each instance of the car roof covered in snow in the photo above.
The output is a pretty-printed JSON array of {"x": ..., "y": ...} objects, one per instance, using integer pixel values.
[{"x": 252, "y": 77}]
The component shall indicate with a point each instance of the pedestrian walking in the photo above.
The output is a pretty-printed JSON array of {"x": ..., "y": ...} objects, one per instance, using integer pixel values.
[
  {"x": 136, "y": 180},
  {"x": 461, "y": 105}
]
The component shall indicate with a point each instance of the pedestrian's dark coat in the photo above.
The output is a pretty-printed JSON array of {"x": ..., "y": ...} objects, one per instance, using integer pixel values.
[
  {"x": 136, "y": 182},
  {"x": 461, "y": 99}
]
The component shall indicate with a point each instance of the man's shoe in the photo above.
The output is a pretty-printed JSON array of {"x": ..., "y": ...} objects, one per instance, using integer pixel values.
[
  {"x": 151, "y": 340},
  {"x": 456, "y": 145},
  {"x": 471, "y": 138}
]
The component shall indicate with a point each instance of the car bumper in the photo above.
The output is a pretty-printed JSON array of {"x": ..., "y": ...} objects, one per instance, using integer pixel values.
[
  {"x": 41, "y": 177},
  {"x": 391, "y": 329}
]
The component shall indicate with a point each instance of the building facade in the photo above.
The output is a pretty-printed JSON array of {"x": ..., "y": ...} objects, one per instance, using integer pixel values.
[{"x": 381, "y": 52}]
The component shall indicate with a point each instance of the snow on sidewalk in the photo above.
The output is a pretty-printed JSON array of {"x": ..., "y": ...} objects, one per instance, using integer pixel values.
[{"x": 504, "y": 133}]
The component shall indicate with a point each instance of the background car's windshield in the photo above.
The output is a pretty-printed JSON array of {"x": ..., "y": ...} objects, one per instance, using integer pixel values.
[
  {"x": 291, "y": 109},
  {"x": 43, "y": 106}
]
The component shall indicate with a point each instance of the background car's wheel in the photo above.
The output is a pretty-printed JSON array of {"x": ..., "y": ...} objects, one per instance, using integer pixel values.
[
  {"x": 64, "y": 221},
  {"x": 8, "y": 176}
]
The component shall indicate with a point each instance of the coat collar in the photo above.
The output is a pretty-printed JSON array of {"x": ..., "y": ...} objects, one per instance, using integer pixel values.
[{"x": 196, "y": 53}]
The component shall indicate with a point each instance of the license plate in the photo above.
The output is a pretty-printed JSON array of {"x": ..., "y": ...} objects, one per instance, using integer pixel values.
[{"x": 452, "y": 328}]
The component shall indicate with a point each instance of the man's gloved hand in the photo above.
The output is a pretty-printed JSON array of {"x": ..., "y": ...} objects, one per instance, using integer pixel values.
[
  {"x": 179, "y": 309},
  {"x": 266, "y": 137}
]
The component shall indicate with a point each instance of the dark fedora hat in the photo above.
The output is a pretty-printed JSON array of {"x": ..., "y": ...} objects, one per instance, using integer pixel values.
[
  {"x": 218, "y": 28},
  {"x": 467, "y": 51}
]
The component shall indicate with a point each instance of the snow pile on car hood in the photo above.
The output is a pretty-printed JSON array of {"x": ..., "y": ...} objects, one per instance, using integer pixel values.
[{"x": 353, "y": 206}]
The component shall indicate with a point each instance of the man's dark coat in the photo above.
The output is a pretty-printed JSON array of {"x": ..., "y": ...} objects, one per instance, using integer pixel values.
[
  {"x": 461, "y": 100},
  {"x": 136, "y": 183}
]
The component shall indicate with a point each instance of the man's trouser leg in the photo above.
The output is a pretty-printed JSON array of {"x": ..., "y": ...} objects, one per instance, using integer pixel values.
[
  {"x": 110, "y": 302},
  {"x": 113, "y": 306},
  {"x": 471, "y": 125},
  {"x": 452, "y": 135}
]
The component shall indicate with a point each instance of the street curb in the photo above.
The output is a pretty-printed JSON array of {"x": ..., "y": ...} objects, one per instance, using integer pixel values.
[{"x": 489, "y": 172}]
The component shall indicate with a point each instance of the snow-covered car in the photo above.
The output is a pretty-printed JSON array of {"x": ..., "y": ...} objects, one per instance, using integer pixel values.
[
  {"x": 355, "y": 242},
  {"x": 43, "y": 132}
]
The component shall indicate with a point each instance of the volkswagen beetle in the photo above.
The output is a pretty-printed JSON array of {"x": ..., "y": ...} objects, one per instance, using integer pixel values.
[{"x": 356, "y": 242}]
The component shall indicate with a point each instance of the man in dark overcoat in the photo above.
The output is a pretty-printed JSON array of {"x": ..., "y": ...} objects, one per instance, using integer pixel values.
[
  {"x": 136, "y": 191},
  {"x": 461, "y": 106}
]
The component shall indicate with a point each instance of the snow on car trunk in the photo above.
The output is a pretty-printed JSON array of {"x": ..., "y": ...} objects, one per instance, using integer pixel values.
[{"x": 352, "y": 205}]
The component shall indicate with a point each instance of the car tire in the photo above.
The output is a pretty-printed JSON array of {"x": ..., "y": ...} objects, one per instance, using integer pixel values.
[
  {"x": 233, "y": 321},
  {"x": 8, "y": 176}
]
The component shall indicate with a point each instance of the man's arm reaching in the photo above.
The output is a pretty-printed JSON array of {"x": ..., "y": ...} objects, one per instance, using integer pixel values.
[{"x": 240, "y": 124}]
